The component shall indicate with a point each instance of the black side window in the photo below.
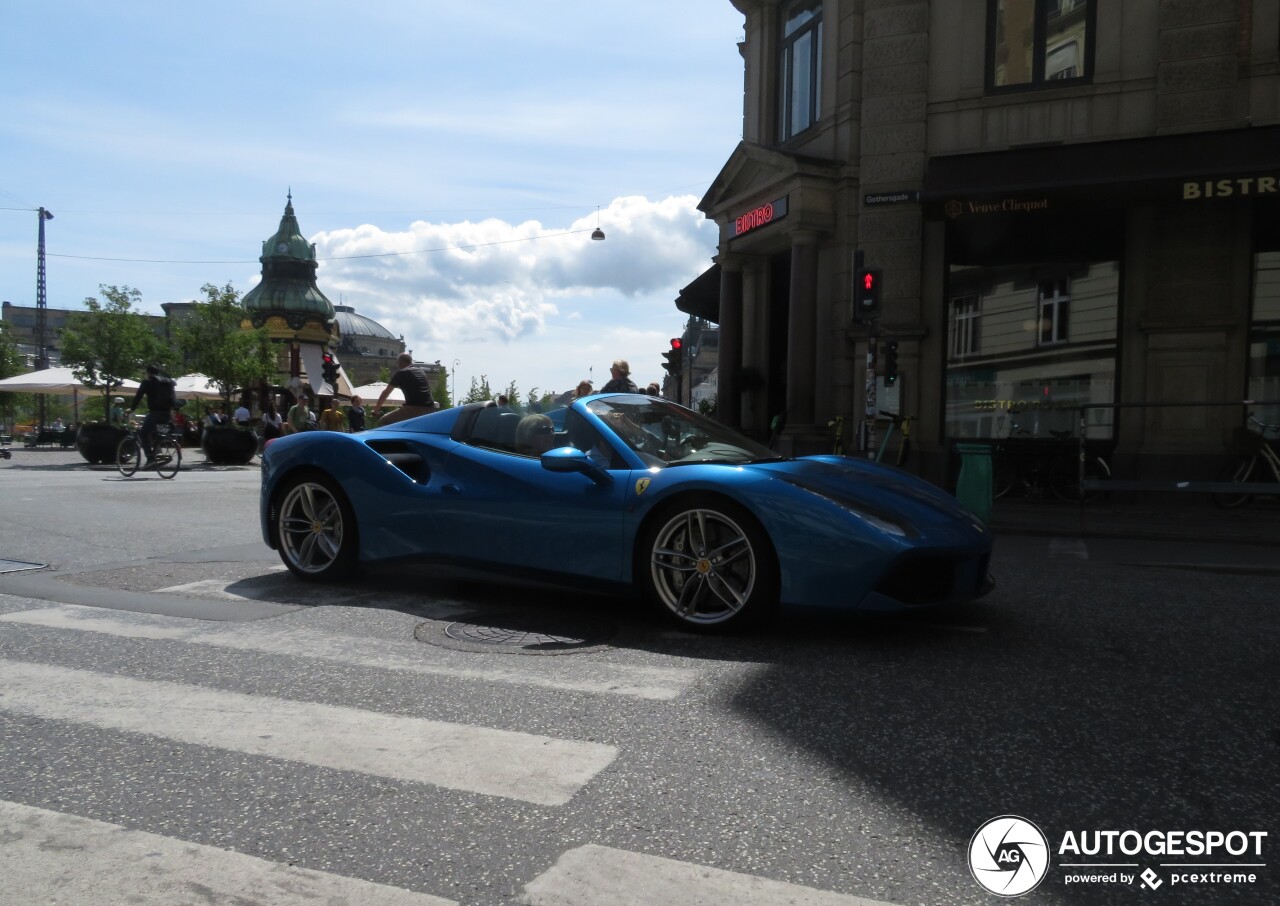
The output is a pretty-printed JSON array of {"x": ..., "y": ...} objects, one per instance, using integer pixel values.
[
  {"x": 495, "y": 429},
  {"x": 582, "y": 435}
]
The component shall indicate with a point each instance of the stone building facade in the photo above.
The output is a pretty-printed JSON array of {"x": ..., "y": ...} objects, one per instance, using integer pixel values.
[{"x": 1073, "y": 203}]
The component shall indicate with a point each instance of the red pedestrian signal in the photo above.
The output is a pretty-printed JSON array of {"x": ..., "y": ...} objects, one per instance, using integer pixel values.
[
  {"x": 329, "y": 370},
  {"x": 866, "y": 294},
  {"x": 674, "y": 365}
]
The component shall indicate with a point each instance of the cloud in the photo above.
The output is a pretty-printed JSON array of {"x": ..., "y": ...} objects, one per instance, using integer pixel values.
[{"x": 491, "y": 280}]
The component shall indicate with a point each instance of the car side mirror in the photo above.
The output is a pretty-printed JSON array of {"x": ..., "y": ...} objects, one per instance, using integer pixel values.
[{"x": 571, "y": 459}]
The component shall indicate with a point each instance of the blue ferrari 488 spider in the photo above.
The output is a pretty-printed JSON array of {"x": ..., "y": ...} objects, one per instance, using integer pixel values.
[{"x": 622, "y": 490}]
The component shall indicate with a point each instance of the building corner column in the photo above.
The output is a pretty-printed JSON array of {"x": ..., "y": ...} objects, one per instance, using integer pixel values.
[
  {"x": 729, "y": 385},
  {"x": 802, "y": 339}
]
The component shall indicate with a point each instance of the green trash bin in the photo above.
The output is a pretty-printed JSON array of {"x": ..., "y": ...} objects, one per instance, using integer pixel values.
[{"x": 973, "y": 486}]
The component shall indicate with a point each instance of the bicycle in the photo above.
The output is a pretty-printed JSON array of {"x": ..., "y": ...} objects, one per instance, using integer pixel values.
[
  {"x": 903, "y": 424},
  {"x": 837, "y": 435},
  {"x": 1244, "y": 468},
  {"x": 167, "y": 450},
  {"x": 1055, "y": 469}
]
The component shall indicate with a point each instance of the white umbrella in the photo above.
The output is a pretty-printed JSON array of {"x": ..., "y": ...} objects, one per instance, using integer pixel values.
[
  {"x": 370, "y": 393},
  {"x": 53, "y": 380},
  {"x": 196, "y": 387}
]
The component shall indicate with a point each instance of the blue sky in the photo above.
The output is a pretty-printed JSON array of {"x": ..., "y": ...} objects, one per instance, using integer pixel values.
[{"x": 480, "y": 142}]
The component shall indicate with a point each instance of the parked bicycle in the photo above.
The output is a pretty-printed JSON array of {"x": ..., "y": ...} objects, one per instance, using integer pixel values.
[
  {"x": 1032, "y": 467},
  {"x": 903, "y": 425},
  {"x": 167, "y": 450},
  {"x": 1252, "y": 466}
]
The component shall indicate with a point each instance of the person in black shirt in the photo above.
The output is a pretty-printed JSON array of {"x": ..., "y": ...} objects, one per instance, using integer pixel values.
[
  {"x": 620, "y": 379},
  {"x": 160, "y": 392},
  {"x": 415, "y": 383},
  {"x": 355, "y": 415}
]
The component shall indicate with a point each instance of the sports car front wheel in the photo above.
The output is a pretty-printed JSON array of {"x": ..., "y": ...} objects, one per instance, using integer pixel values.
[
  {"x": 315, "y": 529},
  {"x": 710, "y": 566}
]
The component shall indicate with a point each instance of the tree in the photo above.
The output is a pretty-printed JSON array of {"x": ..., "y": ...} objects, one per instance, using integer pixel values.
[
  {"x": 512, "y": 393},
  {"x": 216, "y": 345},
  {"x": 10, "y": 364},
  {"x": 111, "y": 342},
  {"x": 441, "y": 391},
  {"x": 479, "y": 391}
]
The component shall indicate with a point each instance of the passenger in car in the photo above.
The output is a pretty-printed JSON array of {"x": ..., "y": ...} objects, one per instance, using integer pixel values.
[{"x": 535, "y": 435}]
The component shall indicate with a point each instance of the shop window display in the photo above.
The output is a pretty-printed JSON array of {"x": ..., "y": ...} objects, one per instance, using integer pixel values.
[{"x": 1035, "y": 366}]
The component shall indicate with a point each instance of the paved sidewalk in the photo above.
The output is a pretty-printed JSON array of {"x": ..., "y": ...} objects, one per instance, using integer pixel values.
[
  {"x": 1190, "y": 518},
  {"x": 54, "y": 459}
]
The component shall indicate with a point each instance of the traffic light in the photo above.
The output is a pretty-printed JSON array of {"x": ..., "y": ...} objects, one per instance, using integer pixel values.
[
  {"x": 890, "y": 363},
  {"x": 330, "y": 371},
  {"x": 673, "y": 357},
  {"x": 866, "y": 294}
]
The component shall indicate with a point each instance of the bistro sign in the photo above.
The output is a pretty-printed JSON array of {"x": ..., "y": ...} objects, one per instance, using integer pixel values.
[
  {"x": 1226, "y": 188},
  {"x": 759, "y": 216}
]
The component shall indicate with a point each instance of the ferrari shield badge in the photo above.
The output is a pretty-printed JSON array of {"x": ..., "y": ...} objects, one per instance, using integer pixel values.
[{"x": 642, "y": 485}]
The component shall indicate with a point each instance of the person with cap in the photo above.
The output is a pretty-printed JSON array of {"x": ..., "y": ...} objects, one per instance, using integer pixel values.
[
  {"x": 117, "y": 418},
  {"x": 620, "y": 380}
]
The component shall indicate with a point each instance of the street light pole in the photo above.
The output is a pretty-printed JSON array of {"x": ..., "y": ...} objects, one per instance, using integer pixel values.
[
  {"x": 453, "y": 397},
  {"x": 42, "y": 308}
]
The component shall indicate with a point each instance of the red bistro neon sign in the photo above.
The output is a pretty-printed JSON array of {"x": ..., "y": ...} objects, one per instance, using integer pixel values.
[{"x": 760, "y": 216}]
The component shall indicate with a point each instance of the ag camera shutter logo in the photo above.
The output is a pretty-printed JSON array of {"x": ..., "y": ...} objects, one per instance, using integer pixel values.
[{"x": 1009, "y": 856}]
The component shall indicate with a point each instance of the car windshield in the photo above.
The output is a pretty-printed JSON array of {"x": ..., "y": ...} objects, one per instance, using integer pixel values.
[{"x": 664, "y": 434}]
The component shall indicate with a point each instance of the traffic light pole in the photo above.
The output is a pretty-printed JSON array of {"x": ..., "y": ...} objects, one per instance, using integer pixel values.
[
  {"x": 869, "y": 407},
  {"x": 866, "y": 310}
]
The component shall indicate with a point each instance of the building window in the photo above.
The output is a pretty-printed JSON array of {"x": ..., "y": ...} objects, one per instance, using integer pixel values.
[
  {"x": 800, "y": 68},
  {"x": 1039, "y": 43},
  {"x": 1055, "y": 312},
  {"x": 1264, "y": 336},
  {"x": 966, "y": 326}
]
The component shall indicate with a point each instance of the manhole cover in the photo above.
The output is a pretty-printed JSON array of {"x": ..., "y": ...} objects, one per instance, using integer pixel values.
[
  {"x": 16, "y": 566},
  {"x": 519, "y": 633}
]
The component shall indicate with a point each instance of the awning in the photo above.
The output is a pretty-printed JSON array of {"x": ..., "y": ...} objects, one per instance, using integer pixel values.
[
  {"x": 701, "y": 298},
  {"x": 1235, "y": 163}
]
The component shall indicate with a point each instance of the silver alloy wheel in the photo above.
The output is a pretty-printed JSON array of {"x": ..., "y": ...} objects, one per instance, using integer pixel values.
[
  {"x": 703, "y": 566},
  {"x": 310, "y": 528}
]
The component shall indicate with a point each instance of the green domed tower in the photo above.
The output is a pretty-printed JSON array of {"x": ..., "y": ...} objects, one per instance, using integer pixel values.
[{"x": 287, "y": 301}]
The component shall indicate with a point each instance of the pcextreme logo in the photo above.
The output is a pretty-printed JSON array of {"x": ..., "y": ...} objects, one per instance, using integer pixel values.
[{"x": 1009, "y": 856}]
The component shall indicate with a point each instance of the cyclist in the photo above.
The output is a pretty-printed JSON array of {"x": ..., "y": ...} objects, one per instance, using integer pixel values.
[{"x": 159, "y": 389}]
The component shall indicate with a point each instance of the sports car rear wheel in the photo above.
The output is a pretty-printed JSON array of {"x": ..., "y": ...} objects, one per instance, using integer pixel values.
[
  {"x": 316, "y": 529},
  {"x": 710, "y": 566}
]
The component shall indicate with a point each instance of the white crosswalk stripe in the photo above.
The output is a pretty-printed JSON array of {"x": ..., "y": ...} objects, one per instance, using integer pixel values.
[
  {"x": 88, "y": 861},
  {"x": 523, "y": 766},
  {"x": 84, "y": 860},
  {"x": 593, "y": 874},
  {"x": 658, "y": 683}
]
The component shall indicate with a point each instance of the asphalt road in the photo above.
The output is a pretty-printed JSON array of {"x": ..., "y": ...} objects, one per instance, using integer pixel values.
[{"x": 181, "y": 719}]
